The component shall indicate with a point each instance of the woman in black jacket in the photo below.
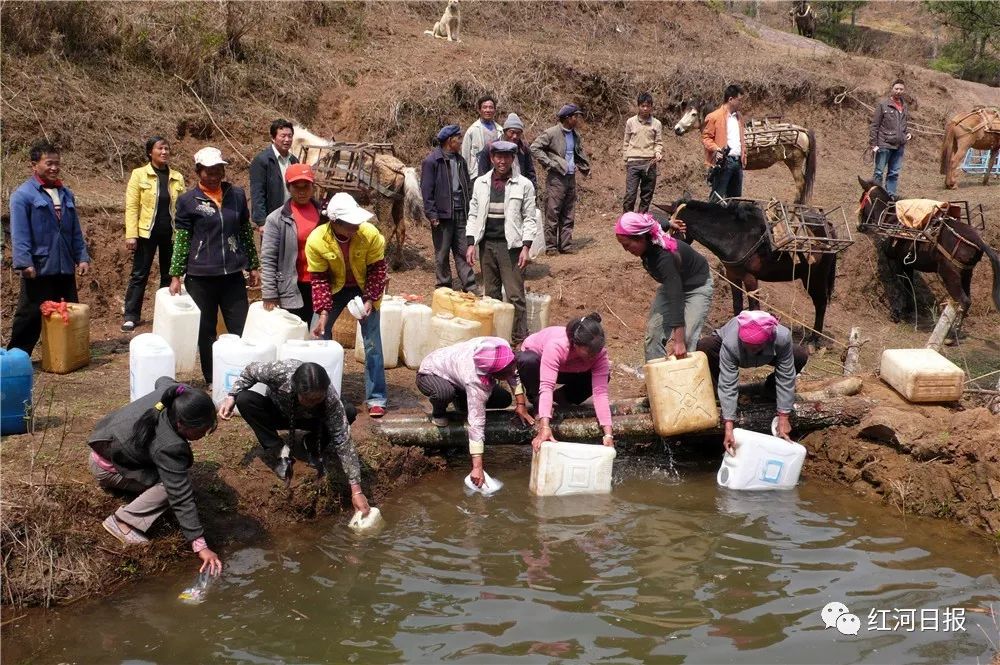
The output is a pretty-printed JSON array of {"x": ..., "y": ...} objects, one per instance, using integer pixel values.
[
  {"x": 682, "y": 302},
  {"x": 145, "y": 448},
  {"x": 213, "y": 245}
]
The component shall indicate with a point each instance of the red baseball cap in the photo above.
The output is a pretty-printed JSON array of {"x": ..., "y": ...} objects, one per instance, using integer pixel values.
[{"x": 296, "y": 172}]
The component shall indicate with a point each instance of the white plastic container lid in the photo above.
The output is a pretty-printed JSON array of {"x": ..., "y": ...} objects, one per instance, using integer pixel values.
[
  {"x": 356, "y": 307},
  {"x": 490, "y": 484}
]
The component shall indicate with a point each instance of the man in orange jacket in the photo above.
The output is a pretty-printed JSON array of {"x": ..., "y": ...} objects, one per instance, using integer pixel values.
[{"x": 724, "y": 129}]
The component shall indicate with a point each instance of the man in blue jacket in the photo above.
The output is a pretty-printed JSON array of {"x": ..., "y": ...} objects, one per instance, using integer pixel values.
[{"x": 47, "y": 244}]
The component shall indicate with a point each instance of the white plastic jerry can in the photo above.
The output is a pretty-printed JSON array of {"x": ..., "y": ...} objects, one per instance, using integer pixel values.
[
  {"x": 391, "y": 329},
  {"x": 230, "y": 355},
  {"x": 325, "y": 352},
  {"x": 418, "y": 339},
  {"x": 761, "y": 462},
  {"x": 176, "y": 320},
  {"x": 503, "y": 318},
  {"x": 560, "y": 468},
  {"x": 537, "y": 307},
  {"x": 448, "y": 330},
  {"x": 922, "y": 375},
  {"x": 149, "y": 358},
  {"x": 275, "y": 326}
]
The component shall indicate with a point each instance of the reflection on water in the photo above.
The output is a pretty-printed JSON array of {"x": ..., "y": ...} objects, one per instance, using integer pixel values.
[{"x": 667, "y": 569}]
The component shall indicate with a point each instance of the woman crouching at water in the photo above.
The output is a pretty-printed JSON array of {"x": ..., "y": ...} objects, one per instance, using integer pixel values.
[{"x": 144, "y": 448}]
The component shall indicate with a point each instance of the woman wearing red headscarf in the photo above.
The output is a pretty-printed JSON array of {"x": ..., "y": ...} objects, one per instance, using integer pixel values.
[
  {"x": 681, "y": 303},
  {"x": 752, "y": 339},
  {"x": 468, "y": 374}
]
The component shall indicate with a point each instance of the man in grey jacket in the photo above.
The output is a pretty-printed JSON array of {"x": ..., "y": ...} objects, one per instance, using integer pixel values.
[
  {"x": 753, "y": 339},
  {"x": 888, "y": 135},
  {"x": 559, "y": 150},
  {"x": 267, "y": 173},
  {"x": 502, "y": 221}
]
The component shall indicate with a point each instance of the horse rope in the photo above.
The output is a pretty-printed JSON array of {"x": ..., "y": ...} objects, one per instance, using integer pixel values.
[{"x": 916, "y": 127}]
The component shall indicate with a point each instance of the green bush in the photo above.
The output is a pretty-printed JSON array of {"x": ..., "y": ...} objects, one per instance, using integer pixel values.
[{"x": 960, "y": 61}]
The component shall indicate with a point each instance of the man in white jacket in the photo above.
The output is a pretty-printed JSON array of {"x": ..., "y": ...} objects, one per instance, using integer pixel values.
[
  {"x": 503, "y": 221},
  {"x": 480, "y": 134}
]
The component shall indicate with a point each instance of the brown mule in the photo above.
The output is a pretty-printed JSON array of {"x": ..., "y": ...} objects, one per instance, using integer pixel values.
[{"x": 978, "y": 129}]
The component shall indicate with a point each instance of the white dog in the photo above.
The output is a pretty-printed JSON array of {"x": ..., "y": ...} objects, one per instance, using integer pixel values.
[{"x": 449, "y": 25}]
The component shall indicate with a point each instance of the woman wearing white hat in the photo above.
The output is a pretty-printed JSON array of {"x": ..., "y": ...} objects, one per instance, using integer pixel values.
[
  {"x": 213, "y": 246},
  {"x": 346, "y": 260}
]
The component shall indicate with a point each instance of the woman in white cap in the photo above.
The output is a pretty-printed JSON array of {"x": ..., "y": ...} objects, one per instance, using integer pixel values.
[
  {"x": 213, "y": 246},
  {"x": 346, "y": 260}
]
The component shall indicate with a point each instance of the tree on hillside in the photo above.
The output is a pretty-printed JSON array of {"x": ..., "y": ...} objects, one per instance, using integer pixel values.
[
  {"x": 835, "y": 11},
  {"x": 978, "y": 26}
]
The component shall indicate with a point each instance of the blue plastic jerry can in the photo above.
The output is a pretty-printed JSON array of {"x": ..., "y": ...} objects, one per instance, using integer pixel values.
[{"x": 16, "y": 379}]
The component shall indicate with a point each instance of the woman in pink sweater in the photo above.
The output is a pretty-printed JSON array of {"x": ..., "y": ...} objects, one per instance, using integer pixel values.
[{"x": 573, "y": 357}]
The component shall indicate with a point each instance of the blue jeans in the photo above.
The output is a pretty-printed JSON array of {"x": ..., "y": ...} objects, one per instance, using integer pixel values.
[
  {"x": 371, "y": 333},
  {"x": 728, "y": 183},
  {"x": 893, "y": 158}
]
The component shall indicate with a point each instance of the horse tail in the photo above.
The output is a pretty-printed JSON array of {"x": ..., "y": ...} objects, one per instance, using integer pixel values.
[
  {"x": 994, "y": 261},
  {"x": 810, "y": 175},
  {"x": 413, "y": 200},
  {"x": 948, "y": 147}
]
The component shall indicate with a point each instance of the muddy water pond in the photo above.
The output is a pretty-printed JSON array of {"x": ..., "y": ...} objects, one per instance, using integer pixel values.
[{"x": 667, "y": 569}]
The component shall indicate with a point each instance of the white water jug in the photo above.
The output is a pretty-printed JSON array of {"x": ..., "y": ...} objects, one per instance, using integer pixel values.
[
  {"x": 230, "y": 355},
  {"x": 761, "y": 462},
  {"x": 391, "y": 327},
  {"x": 275, "y": 326},
  {"x": 922, "y": 375},
  {"x": 418, "y": 339},
  {"x": 560, "y": 468},
  {"x": 537, "y": 305},
  {"x": 503, "y": 318},
  {"x": 324, "y": 352},
  {"x": 176, "y": 320},
  {"x": 149, "y": 358},
  {"x": 448, "y": 329}
]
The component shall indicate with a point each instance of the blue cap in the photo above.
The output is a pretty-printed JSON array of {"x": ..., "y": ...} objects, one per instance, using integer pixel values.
[
  {"x": 568, "y": 110},
  {"x": 503, "y": 146},
  {"x": 447, "y": 132}
]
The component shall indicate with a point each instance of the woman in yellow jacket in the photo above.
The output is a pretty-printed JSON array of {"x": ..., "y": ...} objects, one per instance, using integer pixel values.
[
  {"x": 346, "y": 260},
  {"x": 149, "y": 223}
]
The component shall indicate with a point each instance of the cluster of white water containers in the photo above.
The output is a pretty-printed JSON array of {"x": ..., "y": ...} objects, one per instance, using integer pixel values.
[{"x": 267, "y": 335}]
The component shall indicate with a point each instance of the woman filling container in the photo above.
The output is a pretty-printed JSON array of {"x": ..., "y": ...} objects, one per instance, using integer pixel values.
[
  {"x": 681, "y": 303},
  {"x": 150, "y": 200},
  {"x": 574, "y": 357},
  {"x": 346, "y": 259},
  {"x": 468, "y": 374},
  {"x": 285, "y": 279},
  {"x": 144, "y": 448},
  {"x": 213, "y": 245}
]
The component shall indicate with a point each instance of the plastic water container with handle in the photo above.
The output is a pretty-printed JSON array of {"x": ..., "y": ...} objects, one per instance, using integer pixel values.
[
  {"x": 16, "y": 378},
  {"x": 230, "y": 355},
  {"x": 442, "y": 300},
  {"x": 418, "y": 339},
  {"x": 324, "y": 352},
  {"x": 478, "y": 311},
  {"x": 275, "y": 326},
  {"x": 449, "y": 330},
  {"x": 761, "y": 462},
  {"x": 922, "y": 375},
  {"x": 176, "y": 320},
  {"x": 149, "y": 358},
  {"x": 681, "y": 397},
  {"x": 537, "y": 306},
  {"x": 391, "y": 329},
  {"x": 66, "y": 341},
  {"x": 503, "y": 318},
  {"x": 560, "y": 468}
]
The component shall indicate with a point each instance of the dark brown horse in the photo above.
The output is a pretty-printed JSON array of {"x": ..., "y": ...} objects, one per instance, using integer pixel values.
[
  {"x": 738, "y": 234},
  {"x": 956, "y": 252}
]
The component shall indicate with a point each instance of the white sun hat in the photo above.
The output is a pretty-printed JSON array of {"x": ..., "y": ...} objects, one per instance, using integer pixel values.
[
  {"x": 343, "y": 207},
  {"x": 209, "y": 157}
]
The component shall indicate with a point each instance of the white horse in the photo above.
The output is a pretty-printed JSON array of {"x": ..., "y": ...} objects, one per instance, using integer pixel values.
[{"x": 391, "y": 175}]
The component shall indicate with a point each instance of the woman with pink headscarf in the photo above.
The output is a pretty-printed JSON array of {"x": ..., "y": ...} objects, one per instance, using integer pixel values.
[
  {"x": 681, "y": 303},
  {"x": 753, "y": 339},
  {"x": 468, "y": 374}
]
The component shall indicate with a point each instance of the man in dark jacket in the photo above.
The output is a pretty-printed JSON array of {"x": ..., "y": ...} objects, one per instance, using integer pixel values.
[
  {"x": 444, "y": 183},
  {"x": 267, "y": 172},
  {"x": 524, "y": 165},
  {"x": 887, "y": 136},
  {"x": 559, "y": 150},
  {"x": 47, "y": 244}
]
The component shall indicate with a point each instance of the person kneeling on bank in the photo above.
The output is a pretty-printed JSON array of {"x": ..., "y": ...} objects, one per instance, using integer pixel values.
[
  {"x": 752, "y": 339},
  {"x": 300, "y": 396},
  {"x": 144, "y": 448},
  {"x": 468, "y": 374}
]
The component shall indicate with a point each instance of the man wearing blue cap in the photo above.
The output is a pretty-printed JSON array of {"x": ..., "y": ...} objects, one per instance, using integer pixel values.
[
  {"x": 445, "y": 185},
  {"x": 559, "y": 150},
  {"x": 503, "y": 221}
]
